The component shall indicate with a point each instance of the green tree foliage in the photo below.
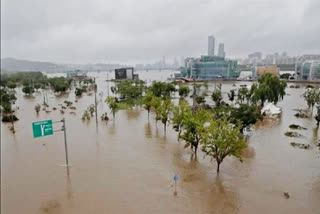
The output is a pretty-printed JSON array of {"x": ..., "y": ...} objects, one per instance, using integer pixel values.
[
  {"x": 245, "y": 114},
  {"x": 147, "y": 101},
  {"x": 164, "y": 111},
  {"x": 192, "y": 127},
  {"x": 242, "y": 95},
  {"x": 221, "y": 139},
  {"x": 155, "y": 103},
  {"x": 269, "y": 88},
  {"x": 60, "y": 84},
  {"x": 162, "y": 89},
  {"x": 179, "y": 113},
  {"x": 183, "y": 91},
  {"x": 24, "y": 78},
  {"x": 37, "y": 86},
  {"x": 7, "y": 98},
  {"x": 312, "y": 96},
  {"x": 129, "y": 90},
  {"x": 200, "y": 100},
  {"x": 113, "y": 105},
  {"x": 217, "y": 96},
  {"x": 12, "y": 85},
  {"x": 78, "y": 92},
  {"x": 28, "y": 90}
]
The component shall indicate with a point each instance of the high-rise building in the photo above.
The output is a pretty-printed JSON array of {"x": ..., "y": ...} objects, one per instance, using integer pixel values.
[
  {"x": 211, "y": 41},
  {"x": 221, "y": 52}
]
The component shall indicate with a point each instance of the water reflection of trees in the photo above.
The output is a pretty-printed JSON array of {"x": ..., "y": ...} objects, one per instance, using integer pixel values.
[
  {"x": 133, "y": 113},
  {"x": 112, "y": 128},
  {"x": 148, "y": 130},
  {"x": 210, "y": 191},
  {"x": 315, "y": 136},
  {"x": 267, "y": 123}
]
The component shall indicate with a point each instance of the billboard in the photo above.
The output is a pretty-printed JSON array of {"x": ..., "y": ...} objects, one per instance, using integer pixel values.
[{"x": 124, "y": 73}]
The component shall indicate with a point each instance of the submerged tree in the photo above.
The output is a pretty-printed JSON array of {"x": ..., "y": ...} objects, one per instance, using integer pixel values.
[
  {"x": 245, "y": 114},
  {"x": 217, "y": 96},
  {"x": 312, "y": 96},
  {"x": 113, "y": 105},
  {"x": 147, "y": 101},
  {"x": 28, "y": 90},
  {"x": 179, "y": 113},
  {"x": 162, "y": 89},
  {"x": 8, "y": 99},
  {"x": 192, "y": 127},
  {"x": 183, "y": 91},
  {"x": 269, "y": 88},
  {"x": 164, "y": 111},
  {"x": 60, "y": 84},
  {"x": 221, "y": 139},
  {"x": 155, "y": 103}
]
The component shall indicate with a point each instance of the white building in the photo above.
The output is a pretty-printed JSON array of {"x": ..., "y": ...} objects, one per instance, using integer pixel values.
[{"x": 211, "y": 41}]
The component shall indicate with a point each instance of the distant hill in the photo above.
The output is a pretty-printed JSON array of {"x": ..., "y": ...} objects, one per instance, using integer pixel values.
[{"x": 13, "y": 65}]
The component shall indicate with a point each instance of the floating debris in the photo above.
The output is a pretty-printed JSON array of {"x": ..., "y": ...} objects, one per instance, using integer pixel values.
[
  {"x": 300, "y": 145},
  {"x": 294, "y": 86},
  {"x": 302, "y": 113},
  {"x": 294, "y": 126},
  {"x": 286, "y": 195},
  {"x": 292, "y": 134},
  {"x": 68, "y": 103}
]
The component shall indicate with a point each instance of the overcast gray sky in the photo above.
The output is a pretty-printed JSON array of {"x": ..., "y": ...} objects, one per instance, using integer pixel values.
[{"x": 78, "y": 31}]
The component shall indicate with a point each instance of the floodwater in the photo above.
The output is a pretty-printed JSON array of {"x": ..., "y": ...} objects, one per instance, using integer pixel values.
[{"x": 128, "y": 165}]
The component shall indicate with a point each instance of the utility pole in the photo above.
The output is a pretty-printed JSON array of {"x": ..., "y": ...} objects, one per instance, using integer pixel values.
[
  {"x": 194, "y": 91},
  {"x": 95, "y": 99},
  {"x": 65, "y": 139}
]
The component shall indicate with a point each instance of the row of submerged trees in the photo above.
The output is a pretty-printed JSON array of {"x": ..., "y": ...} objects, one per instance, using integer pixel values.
[
  {"x": 219, "y": 129},
  {"x": 31, "y": 82}
]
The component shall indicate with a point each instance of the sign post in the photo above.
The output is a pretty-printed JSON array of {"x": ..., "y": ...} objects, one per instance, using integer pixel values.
[
  {"x": 45, "y": 128},
  {"x": 65, "y": 140},
  {"x": 42, "y": 128}
]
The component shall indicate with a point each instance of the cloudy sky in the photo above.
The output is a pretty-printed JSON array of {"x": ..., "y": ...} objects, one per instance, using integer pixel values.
[{"x": 89, "y": 31}]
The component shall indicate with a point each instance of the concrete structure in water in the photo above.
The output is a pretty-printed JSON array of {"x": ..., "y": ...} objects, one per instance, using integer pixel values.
[
  {"x": 211, "y": 45},
  {"x": 271, "y": 69}
]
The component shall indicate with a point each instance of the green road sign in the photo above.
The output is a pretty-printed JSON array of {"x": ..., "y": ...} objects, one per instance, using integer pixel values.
[{"x": 42, "y": 128}]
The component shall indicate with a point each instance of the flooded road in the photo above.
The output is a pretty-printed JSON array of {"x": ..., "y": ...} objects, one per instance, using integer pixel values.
[{"x": 128, "y": 165}]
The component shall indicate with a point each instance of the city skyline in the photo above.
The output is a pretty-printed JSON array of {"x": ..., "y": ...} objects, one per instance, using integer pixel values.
[{"x": 122, "y": 32}]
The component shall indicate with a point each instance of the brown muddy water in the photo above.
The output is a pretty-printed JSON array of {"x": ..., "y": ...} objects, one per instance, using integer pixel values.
[{"x": 128, "y": 165}]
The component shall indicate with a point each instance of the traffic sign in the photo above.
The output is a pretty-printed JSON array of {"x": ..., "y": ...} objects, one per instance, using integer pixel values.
[{"x": 42, "y": 128}]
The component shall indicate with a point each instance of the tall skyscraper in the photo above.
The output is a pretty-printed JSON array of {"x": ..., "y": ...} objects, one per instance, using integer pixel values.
[
  {"x": 221, "y": 52},
  {"x": 211, "y": 46}
]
